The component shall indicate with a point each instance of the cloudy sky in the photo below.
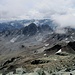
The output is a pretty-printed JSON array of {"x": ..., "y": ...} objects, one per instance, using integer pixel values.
[{"x": 61, "y": 11}]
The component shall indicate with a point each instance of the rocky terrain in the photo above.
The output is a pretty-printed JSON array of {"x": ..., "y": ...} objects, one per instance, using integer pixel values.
[{"x": 36, "y": 44}]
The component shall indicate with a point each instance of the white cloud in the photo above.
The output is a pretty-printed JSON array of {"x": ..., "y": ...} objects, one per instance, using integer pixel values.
[
  {"x": 65, "y": 20},
  {"x": 61, "y": 11}
]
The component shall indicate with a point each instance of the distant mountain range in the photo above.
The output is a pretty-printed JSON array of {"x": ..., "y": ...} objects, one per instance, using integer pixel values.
[
  {"x": 22, "y": 23},
  {"x": 34, "y": 31},
  {"x": 26, "y": 27}
]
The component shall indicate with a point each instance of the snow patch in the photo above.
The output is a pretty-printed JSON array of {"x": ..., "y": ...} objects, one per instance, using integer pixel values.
[
  {"x": 46, "y": 45},
  {"x": 55, "y": 59},
  {"x": 45, "y": 54},
  {"x": 26, "y": 24},
  {"x": 12, "y": 24},
  {"x": 36, "y": 22},
  {"x": 72, "y": 33},
  {"x": 14, "y": 39},
  {"x": 71, "y": 37},
  {"x": 59, "y": 51},
  {"x": 67, "y": 41}
]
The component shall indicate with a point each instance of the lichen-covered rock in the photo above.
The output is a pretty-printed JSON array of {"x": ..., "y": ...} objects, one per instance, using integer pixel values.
[
  {"x": 35, "y": 73},
  {"x": 20, "y": 70},
  {"x": 39, "y": 71}
]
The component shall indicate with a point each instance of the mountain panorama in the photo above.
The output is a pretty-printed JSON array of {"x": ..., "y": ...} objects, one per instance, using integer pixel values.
[
  {"x": 37, "y": 37},
  {"x": 36, "y": 47}
]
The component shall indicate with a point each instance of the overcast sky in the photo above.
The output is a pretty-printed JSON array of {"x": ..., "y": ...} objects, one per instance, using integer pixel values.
[{"x": 61, "y": 11}]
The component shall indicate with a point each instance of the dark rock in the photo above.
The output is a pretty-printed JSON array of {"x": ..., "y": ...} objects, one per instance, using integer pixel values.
[
  {"x": 22, "y": 46},
  {"x": 53, "y": 49},
  {"x": 68, "y": 70},
  {"x": 72, "y": 45},
  {"x": 34, "y": 62},
  {"x": 71, "y": 74},
  {"x": 10, "y": 61},
  {"x": 30, "y": 29}
]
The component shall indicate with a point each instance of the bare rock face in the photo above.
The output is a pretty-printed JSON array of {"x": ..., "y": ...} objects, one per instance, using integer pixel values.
[
  {"x": 35, "y": 62},
  {"x": 72, "y": 45},
  {"x": 31, "y": 29},
  {"x": 61, "y": 49},
  {"x": 53, "y": 49}
]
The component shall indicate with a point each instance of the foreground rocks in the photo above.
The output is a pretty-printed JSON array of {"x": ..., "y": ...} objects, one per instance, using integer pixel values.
[
  {"x": 39, "y": 71},
  {"x": 45, "y": 65},
  {"x": 56, "y": 60},
  {"x": 48, "y": 65}
]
